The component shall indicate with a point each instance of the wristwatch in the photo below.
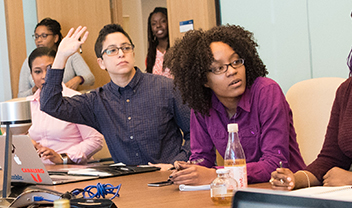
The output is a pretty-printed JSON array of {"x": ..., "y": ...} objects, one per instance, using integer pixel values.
[{"x": 64, "y": 158}]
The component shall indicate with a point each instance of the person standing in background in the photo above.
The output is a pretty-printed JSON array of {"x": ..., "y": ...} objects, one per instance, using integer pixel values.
[
  {"x": 47, "y": 33},
  {"x": 158, "y": 41}
]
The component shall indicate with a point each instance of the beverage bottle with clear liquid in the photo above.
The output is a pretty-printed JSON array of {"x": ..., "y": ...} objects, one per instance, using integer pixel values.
[
  {"x": 234, "y": 159},
  {"x": 223, "y": 187}
]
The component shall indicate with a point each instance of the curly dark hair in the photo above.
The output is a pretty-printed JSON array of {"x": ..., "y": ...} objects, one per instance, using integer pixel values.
[
  {"x": 52, "y": 25},
  {"x": 190, "y": 60},
  {"x": 152, "y": 40}
]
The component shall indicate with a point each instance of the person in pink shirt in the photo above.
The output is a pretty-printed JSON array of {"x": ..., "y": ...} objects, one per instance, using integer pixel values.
[
  {"x": 57, "y": 141},
  {"x": 158, "y": 42}
]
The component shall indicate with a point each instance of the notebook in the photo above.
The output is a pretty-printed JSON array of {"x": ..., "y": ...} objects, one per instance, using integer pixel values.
[{"x": 27, "y": 167}]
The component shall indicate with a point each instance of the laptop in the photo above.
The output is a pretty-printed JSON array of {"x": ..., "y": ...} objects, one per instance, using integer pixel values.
[{"x": 28, "y": 168}]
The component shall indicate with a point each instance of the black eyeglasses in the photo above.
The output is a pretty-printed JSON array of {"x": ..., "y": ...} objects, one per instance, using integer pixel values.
[
  {"x": 114, "y": 50},
  {"x": 222, "y": 69},
  {"x": 44, "y": 36}
]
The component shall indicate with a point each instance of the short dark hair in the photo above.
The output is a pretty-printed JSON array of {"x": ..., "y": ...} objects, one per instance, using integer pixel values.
[
  {"x": 190, "y": 60},
  {"x": 39, "y": 52},
  {"x": 108, "y": 29},
  {"x": 52, "y": 25}
]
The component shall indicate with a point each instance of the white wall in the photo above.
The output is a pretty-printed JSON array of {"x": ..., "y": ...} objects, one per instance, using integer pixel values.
[
  {"x": 133, "y": 9},
  {"x": 5, "y": 83},
  {"x": 298, "y": 39}
]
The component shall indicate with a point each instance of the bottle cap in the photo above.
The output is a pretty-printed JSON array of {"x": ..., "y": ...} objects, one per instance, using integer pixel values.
[
  {"x": 232, "y": 127},
  {"x": 62, "y": 203},
  {"x": 222, "y": 171}
]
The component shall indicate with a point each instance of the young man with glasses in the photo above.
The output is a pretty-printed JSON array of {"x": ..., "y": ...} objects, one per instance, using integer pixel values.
[
  {"x": 223, "y": 81},
  {"x": 140, "y": 115}
]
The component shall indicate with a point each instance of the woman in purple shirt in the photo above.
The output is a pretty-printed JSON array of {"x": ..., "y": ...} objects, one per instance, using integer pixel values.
[{"x": 222, "y": 78}]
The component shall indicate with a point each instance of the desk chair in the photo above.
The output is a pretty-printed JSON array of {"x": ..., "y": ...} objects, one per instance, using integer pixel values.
[
  {"x": 103, "y": 153},
  {"x": 311, "y": 102}
]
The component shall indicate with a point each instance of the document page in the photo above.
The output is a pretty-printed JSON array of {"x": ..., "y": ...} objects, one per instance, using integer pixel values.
[{"x": 343, "y": 193}]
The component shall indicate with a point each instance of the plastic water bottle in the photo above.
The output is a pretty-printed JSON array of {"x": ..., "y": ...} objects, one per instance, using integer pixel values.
[
  {"x": 223, "y": 187},
  {"x": 234, "y": 159}
]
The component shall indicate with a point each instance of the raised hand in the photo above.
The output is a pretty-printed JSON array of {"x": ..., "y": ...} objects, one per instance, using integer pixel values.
[{"x": 69, "y": 45}]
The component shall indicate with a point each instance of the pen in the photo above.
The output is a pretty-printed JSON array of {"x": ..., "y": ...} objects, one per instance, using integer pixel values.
[{"x": 281, "y": 180}]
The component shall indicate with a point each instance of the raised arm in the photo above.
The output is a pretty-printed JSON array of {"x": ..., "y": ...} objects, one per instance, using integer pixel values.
[{"x": 77, "y": 109}]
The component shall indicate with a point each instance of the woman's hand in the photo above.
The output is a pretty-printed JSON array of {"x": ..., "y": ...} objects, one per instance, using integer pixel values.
[
  {"x": 191, "y": 174},
  {"x": 337, "y": 177},
  {"x": 69, "y": 45},
  {"x": 49, "y": 154},
  {"x": 163, "y": 166},
  {"x": 282, "y": 179},
  {"x": 74, "y": 82}
]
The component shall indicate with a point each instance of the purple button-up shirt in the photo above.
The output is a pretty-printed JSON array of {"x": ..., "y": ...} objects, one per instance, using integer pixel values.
[{"x": 265, "y": 127}]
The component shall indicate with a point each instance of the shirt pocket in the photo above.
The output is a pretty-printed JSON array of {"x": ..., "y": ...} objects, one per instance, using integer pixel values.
[{"x": 249, "y": 137}]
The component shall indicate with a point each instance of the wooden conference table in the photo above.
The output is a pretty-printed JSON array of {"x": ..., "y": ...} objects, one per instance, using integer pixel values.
[{"x": 135, "y": 192}]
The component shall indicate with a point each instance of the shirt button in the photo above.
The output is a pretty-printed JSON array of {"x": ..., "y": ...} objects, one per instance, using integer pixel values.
[
  {"x": 129, "y": 118},
  {"x": 128, "y": 100},
  {"x": 131, "y": 137},
  {"x": 136, "y": 154}
]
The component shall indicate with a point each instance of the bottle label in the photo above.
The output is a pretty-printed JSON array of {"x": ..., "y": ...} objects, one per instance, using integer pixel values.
[
  {"x": 218, "y": 191},
  {"x": 239, "y": 173}
]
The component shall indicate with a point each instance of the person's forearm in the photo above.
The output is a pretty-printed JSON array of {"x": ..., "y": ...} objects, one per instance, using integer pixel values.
[
  {"x": 304, "y": 178},
  {"x": 59, "y": 61}
]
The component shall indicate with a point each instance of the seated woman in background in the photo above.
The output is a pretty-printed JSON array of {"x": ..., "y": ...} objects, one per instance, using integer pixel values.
[
  {"x": 222, "y": 78},
  {"x": 158, "y": 42},
  {"x": 331, "y": 168},
  {"x": 47, "y": 33},
  {"x": 57, "y": 141}
]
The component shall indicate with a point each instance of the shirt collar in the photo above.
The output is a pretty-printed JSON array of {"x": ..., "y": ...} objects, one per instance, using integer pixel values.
[
  {"x": 133, "y": 83},
  {"x": 35, "y": 96},
  {"x": 244, "y": 103}
]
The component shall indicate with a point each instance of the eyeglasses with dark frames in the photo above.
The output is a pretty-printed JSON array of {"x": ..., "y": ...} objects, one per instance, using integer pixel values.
[
  {"x": 222, "y": 69},
  {"x": 43, "y": 36},
  {"x": 114, "y": 50}
]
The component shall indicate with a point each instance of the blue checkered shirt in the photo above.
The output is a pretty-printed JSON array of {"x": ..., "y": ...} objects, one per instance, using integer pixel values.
[{"x": 142, "y": 122}]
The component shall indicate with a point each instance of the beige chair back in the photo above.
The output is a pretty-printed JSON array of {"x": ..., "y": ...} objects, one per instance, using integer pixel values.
[
  {"x": 311, "y": 102},
  {"x": 103, "y": 153}
]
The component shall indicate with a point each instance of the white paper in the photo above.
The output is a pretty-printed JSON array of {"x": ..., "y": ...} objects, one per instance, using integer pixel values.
[{"x": 336, "y": 193}]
